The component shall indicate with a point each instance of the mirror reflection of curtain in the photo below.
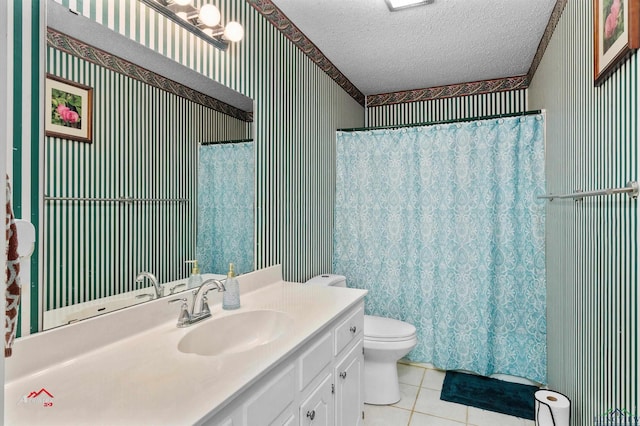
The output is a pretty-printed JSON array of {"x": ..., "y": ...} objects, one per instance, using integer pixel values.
[
  {"x": 226, "y": 207},
  {"x": 441, "y": 224}
]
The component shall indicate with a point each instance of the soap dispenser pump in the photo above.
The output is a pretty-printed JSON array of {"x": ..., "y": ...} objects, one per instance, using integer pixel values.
[
  {"x": 231, "y": 297},
  {"x": 195, "y": 280}
]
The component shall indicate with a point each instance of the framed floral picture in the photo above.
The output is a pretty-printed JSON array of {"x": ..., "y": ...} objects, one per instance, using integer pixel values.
[
  {"x": 68, "y": 109},
  {"x": 616, "y": 33}
]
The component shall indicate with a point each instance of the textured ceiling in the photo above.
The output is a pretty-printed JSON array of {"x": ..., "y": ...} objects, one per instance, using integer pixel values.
[{"x": 447, "y": 42}]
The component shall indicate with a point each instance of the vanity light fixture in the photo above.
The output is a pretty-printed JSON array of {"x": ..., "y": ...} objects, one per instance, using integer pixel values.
[
  {"x": 205, "y": 22},
  {"x": 395, "y": 5}
]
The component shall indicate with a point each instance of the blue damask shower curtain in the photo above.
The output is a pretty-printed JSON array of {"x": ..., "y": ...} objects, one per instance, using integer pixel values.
[
  {"x": 226, "y": 179},
  {"x": 441, "y": 224}
]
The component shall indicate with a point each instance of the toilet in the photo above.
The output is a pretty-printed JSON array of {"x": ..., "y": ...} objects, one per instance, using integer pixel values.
[{"x": 386, "y": 340}]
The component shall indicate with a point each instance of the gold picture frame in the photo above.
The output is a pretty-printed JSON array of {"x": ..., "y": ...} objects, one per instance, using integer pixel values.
[
  {"x": 68, "y": 109},
  {"x": 616, "y": 34}
]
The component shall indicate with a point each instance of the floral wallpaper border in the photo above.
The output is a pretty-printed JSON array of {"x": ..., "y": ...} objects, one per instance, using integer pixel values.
[
  {"x": 92, "y": 54},
  {"x": 288, "y": 28},
  {"x": 279, "y": 20},
  {"x": 450, "y": 91},
  {"x": 546, "y": 37}
]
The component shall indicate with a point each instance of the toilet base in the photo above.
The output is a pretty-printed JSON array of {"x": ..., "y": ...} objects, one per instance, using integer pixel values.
[{"x": 381, "y": 383}]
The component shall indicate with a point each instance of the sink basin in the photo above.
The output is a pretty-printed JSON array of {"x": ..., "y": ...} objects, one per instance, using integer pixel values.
[{"x": 235, "y": 333}]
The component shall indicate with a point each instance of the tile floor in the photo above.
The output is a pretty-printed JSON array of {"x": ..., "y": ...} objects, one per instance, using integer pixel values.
[{"x": 420, "y": 405}]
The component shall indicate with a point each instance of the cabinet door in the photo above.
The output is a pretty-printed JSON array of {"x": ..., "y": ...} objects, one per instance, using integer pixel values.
[
  {"x": 350, "y": 388},
  {"x": 288, "y": 418},
  {"x": 314, "y": 360},
  {"x": 317, "y": 410},
  {"x": 271, "y": 401},
  {"x": 292, "y": 420}
]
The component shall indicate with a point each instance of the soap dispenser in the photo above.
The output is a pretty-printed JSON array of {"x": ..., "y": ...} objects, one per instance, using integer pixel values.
[
  {"x": 195, "y": 280},
  {"x": 231, "y": 297}
]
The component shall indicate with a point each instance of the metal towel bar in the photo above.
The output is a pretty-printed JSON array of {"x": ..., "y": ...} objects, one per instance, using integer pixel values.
[
  {"x": 631, "y": 190},
  {"x": 128, "y": 200}
]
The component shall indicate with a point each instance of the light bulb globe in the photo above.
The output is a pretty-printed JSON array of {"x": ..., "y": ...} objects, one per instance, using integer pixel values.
[
  {"x": 233, "y": 31},
  {"x": 209, "y": 15}
]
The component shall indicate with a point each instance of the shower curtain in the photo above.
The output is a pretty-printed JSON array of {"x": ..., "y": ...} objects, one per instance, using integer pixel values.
[
  {"x": 441, "y": 224},
  {"x": 225, "y": 207}
]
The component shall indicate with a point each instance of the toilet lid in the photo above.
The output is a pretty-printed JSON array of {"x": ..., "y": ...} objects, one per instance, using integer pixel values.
[{"x": 387, "y": 328}]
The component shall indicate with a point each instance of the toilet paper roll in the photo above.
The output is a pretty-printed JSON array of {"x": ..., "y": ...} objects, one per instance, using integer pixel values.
[{"x": 552, "y": 409}]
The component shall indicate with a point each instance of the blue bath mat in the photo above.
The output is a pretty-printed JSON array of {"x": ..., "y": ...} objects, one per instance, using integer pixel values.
[{"x": 513, "y": 399}]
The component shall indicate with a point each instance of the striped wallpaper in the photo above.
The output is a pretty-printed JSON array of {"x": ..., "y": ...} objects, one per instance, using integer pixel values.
[
  {"x": 507, "y": 102},
  {"x": 145, "y": 145},
  {"x": 6, "y": 52},
  {"x": 24, "y": 116},
  {"x": 592, "y": 246}
]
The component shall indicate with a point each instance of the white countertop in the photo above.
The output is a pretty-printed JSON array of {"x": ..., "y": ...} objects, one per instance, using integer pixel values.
[{"x": 144, "y": 379}]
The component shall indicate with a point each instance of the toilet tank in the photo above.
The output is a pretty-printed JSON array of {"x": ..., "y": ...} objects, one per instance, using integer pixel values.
[{"x": 328, "y": 280}]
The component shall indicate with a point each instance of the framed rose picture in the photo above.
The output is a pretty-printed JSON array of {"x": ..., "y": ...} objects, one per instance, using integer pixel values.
[
  {"x": 616, "y": 33},
  {"x": 68, "y": 109}
]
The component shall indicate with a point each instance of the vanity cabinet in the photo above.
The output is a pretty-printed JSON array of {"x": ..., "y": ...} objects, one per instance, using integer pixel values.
[{"x": 320, "y": 384}]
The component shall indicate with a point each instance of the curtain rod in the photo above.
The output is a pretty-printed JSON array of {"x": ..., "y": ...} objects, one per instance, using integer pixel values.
[
  {"x": 433, "y": 123},
  {"x": 226, "y": 142}
]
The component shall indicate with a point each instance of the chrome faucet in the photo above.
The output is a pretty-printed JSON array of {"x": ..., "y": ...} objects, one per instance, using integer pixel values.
[
  {"x": 200, "y": 299},
  {"x": 142, "y": 275},
  {"x": 192, "y": 316}
]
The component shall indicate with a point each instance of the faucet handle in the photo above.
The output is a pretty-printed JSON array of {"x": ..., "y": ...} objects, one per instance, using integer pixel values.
[
  {"x": 143, "y": 295},
  {"x": 204, "y": 306},
  {"x": 175, "y": 287},
  {"x": 184, "y": 318}
]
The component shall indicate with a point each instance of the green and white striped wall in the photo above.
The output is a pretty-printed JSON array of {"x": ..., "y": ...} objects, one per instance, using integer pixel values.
[
  {"x": 506, "y": 102},
  {"x": 145, "y": 145},
  {"x": 592, "y": 246},
  {"x": 25, "y": 132}
]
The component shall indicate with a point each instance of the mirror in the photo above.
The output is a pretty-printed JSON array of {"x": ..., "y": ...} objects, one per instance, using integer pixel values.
[{"x": 127, "y": 201}]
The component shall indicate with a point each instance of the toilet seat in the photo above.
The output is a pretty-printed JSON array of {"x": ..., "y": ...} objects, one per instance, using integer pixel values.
[{"x": 381, "y": 329}]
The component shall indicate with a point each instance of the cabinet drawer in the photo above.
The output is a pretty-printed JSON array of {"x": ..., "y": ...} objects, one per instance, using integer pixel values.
[
  {"x": 314, "y": 360},
  {"x": 347, "y": 331}
]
